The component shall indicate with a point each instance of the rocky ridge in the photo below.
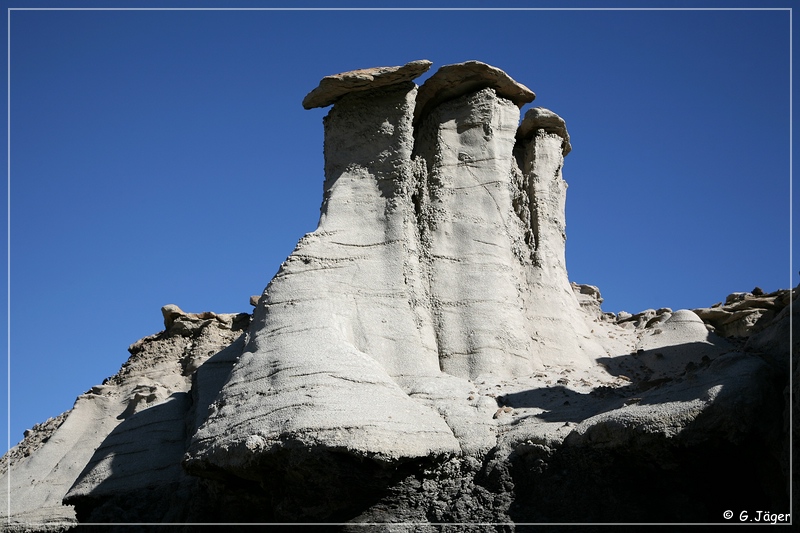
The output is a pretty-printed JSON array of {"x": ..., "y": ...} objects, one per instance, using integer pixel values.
[{"x": 422, "y": 358}]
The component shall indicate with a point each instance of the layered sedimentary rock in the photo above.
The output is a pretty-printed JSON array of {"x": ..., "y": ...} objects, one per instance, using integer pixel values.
[
  {"x": 422, "y": 356},
  {"x": 474, "y": 242},
  {"x": 560, "y": 334},
  {"x": 332, "y": 88},
  {"x": 343, "y": 318},
  {"x": 453, "y": 81},
  {"x": 416, "y": 281},
  {"x": 744, "y": 313},
  {"x": 125, "y": 436}
]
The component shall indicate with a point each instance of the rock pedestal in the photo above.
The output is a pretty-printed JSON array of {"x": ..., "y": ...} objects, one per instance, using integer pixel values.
[{"x": 560, "y": 335}]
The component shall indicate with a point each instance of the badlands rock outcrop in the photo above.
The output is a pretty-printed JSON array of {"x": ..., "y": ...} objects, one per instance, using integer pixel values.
[
  {"x": 125, "y": 436},
  {"x": 422, "y": 358}
]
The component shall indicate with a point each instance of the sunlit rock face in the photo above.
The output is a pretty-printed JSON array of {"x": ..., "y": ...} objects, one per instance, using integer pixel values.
[
  {"x": 474, "y": 241},
  {"x": 432, "y": 303},
  {"x": 418, "y": 273},
  {"x": 559, "y": 330},
  {"x": 344, "y": 316},
  {"x": 423, "y": 357}
]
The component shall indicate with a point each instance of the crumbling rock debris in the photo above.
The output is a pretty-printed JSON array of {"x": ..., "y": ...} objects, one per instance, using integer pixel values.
[
  {"x": 174, "y": 318},
  {"x": 124, "y": 437},
  {"x": 589, "y": 299},
  {"x": 33, "y": 439},
  {"x": 745, "y": 313},
  {"x": 423, "y": 357}
]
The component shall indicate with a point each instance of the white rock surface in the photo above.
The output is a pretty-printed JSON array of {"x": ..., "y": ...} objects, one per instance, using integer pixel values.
[
  {"x": 438, "y": 265},
  {"x": 113, "y": 439},
  {"x": 345, "y": 322},
  {"x": 418, "y": 280},
  {"x": 681, "y": 339},
  {"x": 557, "y": 325},
  {"x": 421, "y": 355},
  {"x": 474, "y": 240},
  {"x": 459, "y": 79}
]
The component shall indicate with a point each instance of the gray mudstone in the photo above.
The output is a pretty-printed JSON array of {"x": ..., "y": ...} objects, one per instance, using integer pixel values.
[{"x": 342, "y": 333}]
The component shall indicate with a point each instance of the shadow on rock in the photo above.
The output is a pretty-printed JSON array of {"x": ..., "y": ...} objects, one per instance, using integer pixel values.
[
  {"x": 136, "y": 472},
  {"x": 645, "y": 372},
  {"x": 682, "y": 449},
  {"x": 135, "y": 475}
]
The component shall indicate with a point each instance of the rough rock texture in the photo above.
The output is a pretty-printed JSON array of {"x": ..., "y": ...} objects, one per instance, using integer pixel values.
[
  {"x": 123, "y": 436},
  {"x": 421, "y": 358},
  {"x": 559, "y": 330},
  {"x": 342, "y": 326},
  {"x": 452, "y": 81},
  {"x": 331, "y": 88},
  {"x": 589, "y": 299},
  {"x": 471, "y": 234},
  {"x": 744, "y": 313},
  {"x": 539, "y": 118}
]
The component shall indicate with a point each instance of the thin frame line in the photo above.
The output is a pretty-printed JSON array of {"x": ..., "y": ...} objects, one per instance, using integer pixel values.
[
  {"x": 345, "y": 9},
  {"x": 112, "y": 524},
  {"x": 399, "y": 9},
  {"x": 791, "y": 264},
  {"x": 8, "y": 259}
]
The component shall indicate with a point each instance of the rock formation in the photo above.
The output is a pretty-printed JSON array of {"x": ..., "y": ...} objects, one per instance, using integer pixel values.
[
  {"x": 744, "y": 313},
  {"x": 421, "y": 357},
  {"x": 126, "y": 436}
]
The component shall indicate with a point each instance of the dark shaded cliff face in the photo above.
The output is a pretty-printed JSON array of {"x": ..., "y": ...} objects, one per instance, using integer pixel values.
[{"x": 422, "y": 357}]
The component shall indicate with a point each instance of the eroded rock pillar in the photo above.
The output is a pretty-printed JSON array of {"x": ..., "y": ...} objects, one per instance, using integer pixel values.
[
  {"x": 473, "y": 236},
  {"x": 341, "y": 319},
  {"x": 559, "y": 332}
]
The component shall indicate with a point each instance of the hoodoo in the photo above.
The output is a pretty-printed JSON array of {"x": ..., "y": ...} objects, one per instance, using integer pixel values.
[
  {"x": 419, "y": 275},
  {"x": 422, "y": 358}
]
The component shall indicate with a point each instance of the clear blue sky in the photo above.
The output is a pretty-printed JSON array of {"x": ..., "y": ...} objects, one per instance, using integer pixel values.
[{"x": 164, "y": 157}]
